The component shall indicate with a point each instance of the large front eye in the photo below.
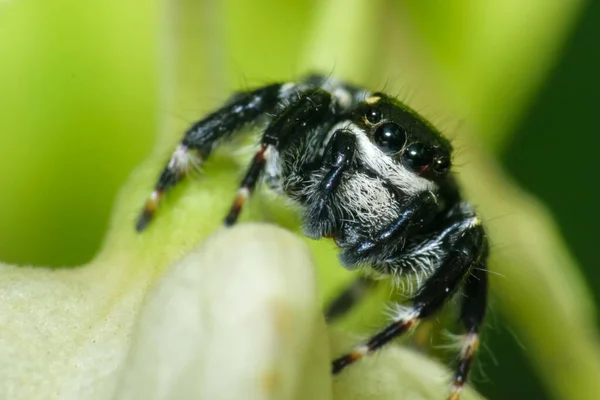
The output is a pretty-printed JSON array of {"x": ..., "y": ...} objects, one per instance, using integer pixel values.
[
  {"x": 390, "y": 137},
  {"x": 418, "y": 157}
]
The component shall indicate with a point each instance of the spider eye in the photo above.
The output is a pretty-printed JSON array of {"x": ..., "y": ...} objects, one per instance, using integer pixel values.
[
  {"x": 418, "y": 157},
  {"x": 390, "y": 137},
  {"x": 441, "y": 165},
  {"x": 373, "y": 115}
]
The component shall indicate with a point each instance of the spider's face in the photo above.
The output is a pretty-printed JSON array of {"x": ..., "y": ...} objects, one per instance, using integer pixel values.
[{"x": 404, "y": 137}]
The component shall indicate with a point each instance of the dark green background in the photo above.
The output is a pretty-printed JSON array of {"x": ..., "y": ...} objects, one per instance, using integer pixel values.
[{"x": 554, "y": 155}]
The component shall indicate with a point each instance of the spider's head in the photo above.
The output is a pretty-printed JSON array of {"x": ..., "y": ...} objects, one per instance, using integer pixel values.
[{"x": 405, "y": 136}]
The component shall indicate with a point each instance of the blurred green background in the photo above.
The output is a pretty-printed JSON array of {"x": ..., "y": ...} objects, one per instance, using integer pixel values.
[
  {"x": 554, "y": 155},
  {"x": 82, "y": 96}
]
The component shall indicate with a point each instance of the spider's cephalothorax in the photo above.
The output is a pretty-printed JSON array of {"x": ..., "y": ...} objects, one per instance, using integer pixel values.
[{"x": 371, "y": 174}]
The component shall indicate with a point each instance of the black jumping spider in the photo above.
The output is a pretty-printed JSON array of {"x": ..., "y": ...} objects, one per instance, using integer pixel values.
[{"x": 368, "y": 172}]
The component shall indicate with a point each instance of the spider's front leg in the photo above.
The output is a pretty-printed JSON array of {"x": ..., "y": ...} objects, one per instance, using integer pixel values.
[
  {"x": 203, "y": 136},
  {"x": 415, "y": 215},
  {"x": 321, "y": 217},
  {"x": 472, "y": 313},
  {"x": 311, "y": 110},
  {"x": 459, "y": 251}
]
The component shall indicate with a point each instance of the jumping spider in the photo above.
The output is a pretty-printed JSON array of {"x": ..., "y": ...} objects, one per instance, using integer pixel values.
[{"x": 368, "y": 172}]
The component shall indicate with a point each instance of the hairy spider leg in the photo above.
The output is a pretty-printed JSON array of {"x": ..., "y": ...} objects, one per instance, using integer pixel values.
[
  {"x": 248, "y": 184},
  {"x": 464, "y": 256},
  {"x": 348, "y": 298},
  {"x": 203, "y": 136},
  {"x": 418, "y": 212},
  {"x": 473, "y": 309},
  {"x": 311, "y": 107},
  {"x": 337, "y": 159}
]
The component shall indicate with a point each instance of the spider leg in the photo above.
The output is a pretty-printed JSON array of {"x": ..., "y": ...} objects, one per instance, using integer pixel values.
[
  {"x": 321, "y": 219},
  {"x": 348, "y": 298},
  {"x": 203, "y": 136},
  {"x": 462, "y": 249},
  {"x": 417, "y": 213},
  {"x": 472, "y": 312},
  {"x": 309, "y": 111},
  {"x": 248, "y": 184}
]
